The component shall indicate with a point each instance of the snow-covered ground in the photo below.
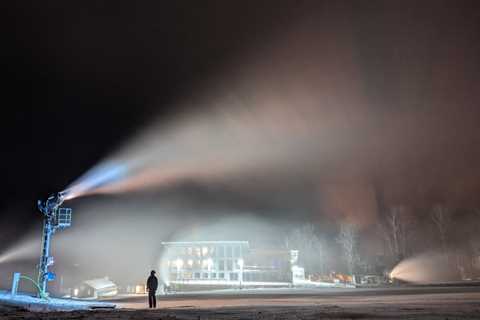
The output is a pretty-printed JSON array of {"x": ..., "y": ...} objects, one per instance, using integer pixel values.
[
  {"x": 52, "y": 304},
  {"x": 315, "y": 284},
  {"x": 228, "y": 283},
  {"x": 433, "y": 303}
]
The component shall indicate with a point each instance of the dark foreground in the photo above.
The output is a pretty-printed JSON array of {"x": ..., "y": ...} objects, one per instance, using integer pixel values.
[{"x": 407, "y": 303}]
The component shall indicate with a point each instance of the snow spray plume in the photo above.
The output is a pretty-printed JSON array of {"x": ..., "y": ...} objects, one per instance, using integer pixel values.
[
  {"x": 305, "y": 102},
  {"x": 425, "y": 268},
  {"x": 263, "y": 117},
  {"x": 26, "y": 249},
  {"x": 96, "y": 178}
]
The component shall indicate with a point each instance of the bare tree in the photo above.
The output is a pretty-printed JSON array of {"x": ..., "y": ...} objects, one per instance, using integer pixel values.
[
  {"x": 394, "y": 229},
  {"x": 441, "y": 217},
  {"x": 348, "y": 238},
  {"x": 311, "y": 248}
]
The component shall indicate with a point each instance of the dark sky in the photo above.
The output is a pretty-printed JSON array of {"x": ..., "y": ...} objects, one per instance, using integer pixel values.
[{"x": 81, "y": 77}]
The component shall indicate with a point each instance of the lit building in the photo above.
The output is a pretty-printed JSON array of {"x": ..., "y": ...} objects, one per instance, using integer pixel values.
[
  {"x": 204, "y": 260},
  {"x": 226, "y": 263}
]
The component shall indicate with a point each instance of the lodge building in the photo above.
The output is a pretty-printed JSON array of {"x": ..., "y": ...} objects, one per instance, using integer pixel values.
[{"x": 227, "y": 263}]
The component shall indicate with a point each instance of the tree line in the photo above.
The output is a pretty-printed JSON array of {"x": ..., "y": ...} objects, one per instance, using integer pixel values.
[{"x": 402, "y": 232}]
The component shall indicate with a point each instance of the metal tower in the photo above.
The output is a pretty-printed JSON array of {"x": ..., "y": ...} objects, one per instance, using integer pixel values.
[{"x": 54, "y": 218}]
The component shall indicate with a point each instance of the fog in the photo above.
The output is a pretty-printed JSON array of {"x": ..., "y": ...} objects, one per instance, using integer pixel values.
[
  {"x": 307, "y": 107},
  {"x": 120, "y": 237}
]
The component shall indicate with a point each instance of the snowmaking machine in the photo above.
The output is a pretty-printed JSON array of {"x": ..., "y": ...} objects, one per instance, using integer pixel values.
[{"x": 55, "y": 217}]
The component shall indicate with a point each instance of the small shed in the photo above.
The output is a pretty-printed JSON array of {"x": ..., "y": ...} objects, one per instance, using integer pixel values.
[{"x": 96, "y": 289}]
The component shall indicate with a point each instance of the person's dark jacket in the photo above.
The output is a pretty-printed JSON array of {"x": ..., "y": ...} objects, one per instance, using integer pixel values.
[{"x": 152, "y": 283}]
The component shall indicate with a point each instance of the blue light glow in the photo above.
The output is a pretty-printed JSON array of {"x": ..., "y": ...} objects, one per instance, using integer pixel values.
[{"x": 96, "y": 178}]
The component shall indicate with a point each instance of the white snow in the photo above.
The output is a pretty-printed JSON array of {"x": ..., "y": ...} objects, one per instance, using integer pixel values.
[{"x": 52, "y": 304}]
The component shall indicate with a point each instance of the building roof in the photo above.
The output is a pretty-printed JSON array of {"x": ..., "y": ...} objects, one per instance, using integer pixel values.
[{"x": 101, "y": 283}]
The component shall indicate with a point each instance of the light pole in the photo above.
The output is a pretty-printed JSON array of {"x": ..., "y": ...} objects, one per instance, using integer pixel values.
[
  {"x": 179, "y": 265},
  {"x": 240, "y": 278},
  {"x": 209, "y": 267}
]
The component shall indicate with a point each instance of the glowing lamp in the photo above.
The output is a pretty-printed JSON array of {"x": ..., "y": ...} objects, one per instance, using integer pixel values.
[{"x": 179, "y": 263}]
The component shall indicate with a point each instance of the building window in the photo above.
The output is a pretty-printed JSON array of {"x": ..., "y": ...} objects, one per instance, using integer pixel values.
[
  {"x": 237, "y": 251},
  {"x": 214, "y": 275},
  {"x": 229, "y": 265},
  {"x": 205, "y": 276},
  {"x": 221, "y": 251},
  {"x": 234, "y": 276},
  {"x": 221, "y": 265},
  {"x": 221, "y": 275},
  {"x": 229, "y": 251},
  {"x": 197, "y": 275}
]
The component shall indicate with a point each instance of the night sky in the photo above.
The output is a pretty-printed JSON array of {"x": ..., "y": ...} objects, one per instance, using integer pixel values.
[
  {"x": 80, "y": 78},
  {"x": 90, "y": 73}
]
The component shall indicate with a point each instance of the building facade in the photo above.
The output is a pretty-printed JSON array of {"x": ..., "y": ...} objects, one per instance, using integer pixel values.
[
  {"x": 227, "y": 263},
  {"x": 204, "y": 260}
]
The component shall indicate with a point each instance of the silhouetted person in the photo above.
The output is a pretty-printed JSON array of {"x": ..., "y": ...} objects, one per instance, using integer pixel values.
[{"x": 152, "y": 285}]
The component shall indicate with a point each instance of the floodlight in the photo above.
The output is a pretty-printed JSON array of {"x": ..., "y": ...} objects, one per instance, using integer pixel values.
[{"x": 179, "y": 263}]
